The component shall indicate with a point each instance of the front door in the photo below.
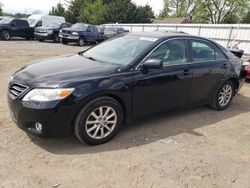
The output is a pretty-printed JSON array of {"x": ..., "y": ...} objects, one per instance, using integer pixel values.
[{"x": 163, "y": 89}]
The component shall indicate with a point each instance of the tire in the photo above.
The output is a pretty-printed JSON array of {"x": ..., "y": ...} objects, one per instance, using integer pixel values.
[
  {"x": 5, "y": 35},
  {"x": 64, "y": 41},
  {"x": 223, "y": 96},
  {"x": 56, "y": 39},
  {"x": 98, "y": 131},
  {"x": 81, "y": 42},
  {"x": 40, "y": 40}
]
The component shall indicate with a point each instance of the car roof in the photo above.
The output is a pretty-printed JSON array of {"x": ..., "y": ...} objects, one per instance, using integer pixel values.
[{"x": 159, "y": 34}]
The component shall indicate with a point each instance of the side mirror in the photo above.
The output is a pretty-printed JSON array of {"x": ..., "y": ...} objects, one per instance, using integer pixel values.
[{"x": 152, "y": 64}]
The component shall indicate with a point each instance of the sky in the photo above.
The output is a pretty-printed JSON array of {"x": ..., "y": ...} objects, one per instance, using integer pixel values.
[{"x": 28, "y": 6}]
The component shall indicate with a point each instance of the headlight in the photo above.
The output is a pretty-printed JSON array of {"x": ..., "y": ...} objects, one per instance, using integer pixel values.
[
  {"x": 43, "y": 95},
  {"x": 75, "y": 33}
]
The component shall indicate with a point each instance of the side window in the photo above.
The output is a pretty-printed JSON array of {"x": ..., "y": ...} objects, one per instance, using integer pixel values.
[
  {"x": 39, "y": 23},
  {"x": 91, "y": 29},
  {"x": 13, "y": 23},
  {"x": 203, "y": 51},
  {"x": 172, "y": 52},
  {"x": 21, "y": 24}
]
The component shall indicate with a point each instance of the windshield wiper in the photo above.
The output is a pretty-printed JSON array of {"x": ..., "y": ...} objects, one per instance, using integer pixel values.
[{"x": 91, "y": 58}]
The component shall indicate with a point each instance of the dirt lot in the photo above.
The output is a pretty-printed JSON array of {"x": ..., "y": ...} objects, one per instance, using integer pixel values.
[{"x": 195, "y": 148}]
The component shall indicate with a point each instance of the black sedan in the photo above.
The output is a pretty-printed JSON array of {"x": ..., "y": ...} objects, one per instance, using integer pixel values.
[{"x": 93, "y": 93}]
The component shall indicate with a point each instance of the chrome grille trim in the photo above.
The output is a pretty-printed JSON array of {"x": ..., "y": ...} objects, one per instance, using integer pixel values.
[{"x": 15, "y": 90}]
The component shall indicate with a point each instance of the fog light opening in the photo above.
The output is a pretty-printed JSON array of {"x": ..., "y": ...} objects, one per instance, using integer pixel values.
[{"x": 38, "y": 127}]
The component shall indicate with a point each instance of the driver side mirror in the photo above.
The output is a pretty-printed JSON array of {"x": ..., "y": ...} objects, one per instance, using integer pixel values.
[{"x": 152, "y": 64}]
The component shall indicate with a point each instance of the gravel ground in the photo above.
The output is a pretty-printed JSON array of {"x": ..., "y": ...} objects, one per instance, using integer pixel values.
[{"x": 196, "y": 148}]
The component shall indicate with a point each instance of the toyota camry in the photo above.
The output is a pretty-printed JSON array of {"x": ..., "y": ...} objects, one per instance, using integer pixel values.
[{"x": 94, "y": 92}]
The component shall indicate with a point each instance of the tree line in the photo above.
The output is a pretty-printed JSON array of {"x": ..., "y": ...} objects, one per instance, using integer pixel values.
[
  {"x": 125, "y": 11},
  {"x": 103, "y": 11}
]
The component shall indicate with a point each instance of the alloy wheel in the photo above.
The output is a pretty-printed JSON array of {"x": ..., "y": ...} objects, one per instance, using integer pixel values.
[
  {"x": 225, "y": 95},
  {"x": 6, "y": 35},
  {"x": 81, "y": 42},
  {"x": 101, "y": 122}
]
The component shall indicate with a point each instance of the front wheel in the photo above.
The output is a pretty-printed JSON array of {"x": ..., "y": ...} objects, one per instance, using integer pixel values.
[
  {"x": 64, "y": 41},
  {"x": 56, "y": 39},
  {"x": 81, "y": 42},
  {"x": 224, "y": 96},
  {"x": 99, "y": 121},
  {"x": 5, "y": 35}
]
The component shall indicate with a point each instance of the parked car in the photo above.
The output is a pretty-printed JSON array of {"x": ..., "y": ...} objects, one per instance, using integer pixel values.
[
  {"x": 2, "y": 17},
  {"x": 13, "y": 27},
  {"x": 101, "y": 35},
  {"x": 112, "y": 31},
  {"x": 94, "y": 92},
  {"x": 50, "y": 31},
  {"x": 37, "y": 20},
  {"x": 80, "y": 33}
]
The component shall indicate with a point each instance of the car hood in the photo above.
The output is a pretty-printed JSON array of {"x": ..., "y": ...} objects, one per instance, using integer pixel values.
[
  {"x": 70, "y": 29},
  {"x": 63, "y": 69}
]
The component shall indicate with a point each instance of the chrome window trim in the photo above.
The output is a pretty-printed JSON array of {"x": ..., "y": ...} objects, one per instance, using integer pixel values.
[
  {"x": 203, "y": 40},
  {"x": 177, "y": 38},
  {"x": 188, "y": 63}
]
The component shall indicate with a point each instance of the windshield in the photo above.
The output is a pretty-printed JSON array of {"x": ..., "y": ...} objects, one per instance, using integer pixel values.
[
  {"x": 32, "y": 22},
  {"x": 79, "y": 26},
  {"x": 121, "y": 50},
  {"x": 6, "y": 20},
  {"x": 53, "y": 24}
]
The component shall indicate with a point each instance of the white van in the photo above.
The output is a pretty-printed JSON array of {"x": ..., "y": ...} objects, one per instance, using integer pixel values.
[{"x": 37, "y": 20}]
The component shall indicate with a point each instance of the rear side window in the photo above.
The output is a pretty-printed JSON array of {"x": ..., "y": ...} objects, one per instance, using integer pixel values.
[
  {"x": 21, "y": 24},
  {"x": 172, "y": 52},
  {"x": 204, "y": 51}
]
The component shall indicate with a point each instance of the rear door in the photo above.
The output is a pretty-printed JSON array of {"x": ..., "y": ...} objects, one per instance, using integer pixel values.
[
  {"x": 163, "y": 89},
  {"x": 24, "y": 29},
  {"x": 210, "y": 67}
]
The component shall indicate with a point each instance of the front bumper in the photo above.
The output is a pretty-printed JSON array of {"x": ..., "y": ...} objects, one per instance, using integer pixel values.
[
  {"x": 69, "y": 37},
  {"x": 56, "y": 120},
  {"x": 43, "y": 36}
]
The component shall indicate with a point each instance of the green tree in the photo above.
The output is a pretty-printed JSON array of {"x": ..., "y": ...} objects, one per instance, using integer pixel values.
[
  {"x": 220, "y": 11},
  {"x": 246, "y": 19},
  {"x": 122, "y": 11},
  {"x": 58, "y": 10},
  {"x": 74, "y": 10},
  {"x": 145, "y": 14},
  {"x": 165, "y": 11},
  {"x": 178, "y": 8},
  {"x": 93, "y": 12},
  {"x": 1, "y": 9}
]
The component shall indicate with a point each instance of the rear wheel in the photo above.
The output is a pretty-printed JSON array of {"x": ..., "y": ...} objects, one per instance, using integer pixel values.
[
  {"x": 41, "y": 40},
  {"x": 99, "y": 121},
  {"x": 5, "y": 35},
  {"x": 224, "y": 96}
]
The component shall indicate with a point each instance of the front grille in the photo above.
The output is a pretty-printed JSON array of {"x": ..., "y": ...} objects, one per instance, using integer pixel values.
[
  {"x": 66, "y": 32},
  {"x": 16, "y": 90}
]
